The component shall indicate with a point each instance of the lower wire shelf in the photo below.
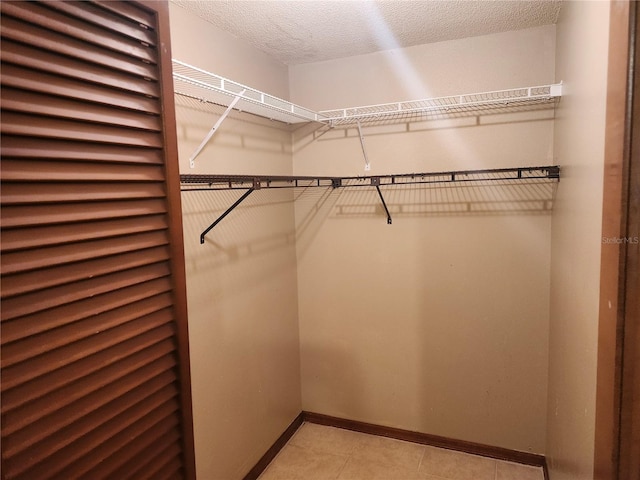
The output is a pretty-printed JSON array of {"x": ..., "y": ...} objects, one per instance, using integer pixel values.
[{"x": 250, "y": 183}]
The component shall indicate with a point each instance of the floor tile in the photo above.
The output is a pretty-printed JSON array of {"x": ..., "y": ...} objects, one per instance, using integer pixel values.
[
  {"x": 516, "y": 471},
  {"x": 325, "y": 439},
  {"x": 318, "y": 452},
  {"x": 456, "y": 465},
  {"x": 295, "y": 463},
  {"x": 388, "y": 451},
  {"x": 361, "y": 469}
]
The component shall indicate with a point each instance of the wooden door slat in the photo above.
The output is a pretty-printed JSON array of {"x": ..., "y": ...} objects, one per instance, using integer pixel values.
[
  {"x": 42, "y": 171},
  {"x": 25, "y": 32},
  {"x": 113, "y": 380},
  {"x": 27, "y": 193},
  {"x": 28, "y": 282},
  {"x": 153, "y": 425},
  {"x": 132, "y": 13},
  {"x": 33, "y": 103},
  {"x": 134, "y": 467},
  {"x": 25, "y": 261},
  {"x": 31, "y": 125},
  {"x": 93, "y": 94},
  {"x": 14, "y": 147},
  {"x": 59, "y": 66},
  {"x": 166, "y": 469},
  {"x": 78, "y": 110},
  {"x": 32, "y": 346},
  {"x": 49, "y": 236},
  {"x": 87, "y": 366},
  {"x": 89, "y": 33},
  {"x": 66, "y": 355},
  {"x": 121, "y": 449},
  {"x": 131, "y": 422},
  {"x": 36, "y": 432},
  {"x": 93, "y": 14},
  {"x": 28, "y": 216},
  {"x": 31, "y": 303},
  {"x": 66, "y": 314}
]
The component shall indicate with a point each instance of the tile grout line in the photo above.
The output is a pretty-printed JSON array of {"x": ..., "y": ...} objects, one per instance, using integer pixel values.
[
  {"x": 343, "y": 467},
  {"x": 424, "y": 452}
]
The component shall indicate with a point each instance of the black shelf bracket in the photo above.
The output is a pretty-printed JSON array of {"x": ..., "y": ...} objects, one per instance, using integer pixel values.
[
  {"x": 227, "y": 212},
  {"x": 375, "y": 181},
  {"x": 384, "y": 204}
]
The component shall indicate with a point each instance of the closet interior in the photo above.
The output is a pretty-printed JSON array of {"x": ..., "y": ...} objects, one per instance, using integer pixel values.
[
  {"x": 370, "y": 237},
  {"x": 223, "y": 219}
]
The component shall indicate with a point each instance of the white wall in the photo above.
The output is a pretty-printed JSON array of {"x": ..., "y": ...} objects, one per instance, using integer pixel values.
[
  {"x": 438, "y": 323},
  {"x": 581, "y": 62},
  {"x": 241, "y": 284}
]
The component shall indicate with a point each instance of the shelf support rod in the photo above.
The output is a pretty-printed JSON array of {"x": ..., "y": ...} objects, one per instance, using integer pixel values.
[
  {"x": 214, "y": 128},
  {"x": 367, "y": 165},
  {"x": 227, "y": 212},
  {"x": 384, "y": 204}
]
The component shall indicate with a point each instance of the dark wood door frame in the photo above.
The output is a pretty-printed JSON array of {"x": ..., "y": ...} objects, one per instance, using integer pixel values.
[
  {"x": 174, "y": 207},
  {"x": 629, "y": 437},
  {"x": 617, "y": 430}
]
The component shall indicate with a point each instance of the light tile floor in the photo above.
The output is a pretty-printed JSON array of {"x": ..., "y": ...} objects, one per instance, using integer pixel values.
[{"x": 317, "y": 452}]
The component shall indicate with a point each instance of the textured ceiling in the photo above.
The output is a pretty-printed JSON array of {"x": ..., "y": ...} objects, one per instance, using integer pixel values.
[{"x": 303, "y": 31}]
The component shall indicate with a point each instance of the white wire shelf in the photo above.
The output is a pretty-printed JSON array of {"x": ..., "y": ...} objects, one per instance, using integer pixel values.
[
  {"x": 499, "y": 101},
  {"x": 196, "y": 83},
  {"x": 208, "y": 87}
]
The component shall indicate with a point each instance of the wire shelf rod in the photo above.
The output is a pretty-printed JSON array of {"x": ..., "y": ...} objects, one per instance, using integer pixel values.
[
  {"x": 252, "y": 183},
  {"x": 233, "y": 182}
]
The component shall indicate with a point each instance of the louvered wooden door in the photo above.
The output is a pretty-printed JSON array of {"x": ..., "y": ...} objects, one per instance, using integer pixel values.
[{"x": 95, "y": 369}]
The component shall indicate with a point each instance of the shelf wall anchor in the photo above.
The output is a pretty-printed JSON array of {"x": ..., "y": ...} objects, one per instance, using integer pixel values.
[
  {"x": 227, "y": 212},
  {"x": 193, "y": 156},
  {"x": 367, "y": 165}
]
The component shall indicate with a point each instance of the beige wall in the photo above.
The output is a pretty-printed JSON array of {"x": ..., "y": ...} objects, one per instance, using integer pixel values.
[
  {"x": 486, "y": 63},
  {"x": 201, "y": 44},
  {"x": 582, "y": 42},
  {"x": 241, "y": 284},
  {"x": 442, "y": 323},
  {"x": 438, "y": 323}
]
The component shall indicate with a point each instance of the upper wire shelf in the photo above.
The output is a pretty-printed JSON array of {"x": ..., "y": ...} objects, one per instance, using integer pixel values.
[
  {"x": 197, "y": 83},
  {"x": 208, "y": 87},
  {"x": 499, "y": 101}
]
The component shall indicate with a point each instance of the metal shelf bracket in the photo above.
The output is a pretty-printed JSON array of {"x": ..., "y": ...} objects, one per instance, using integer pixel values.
[
  {"x": 375, "y": 181},
  {"x": 227, "y": 212},
  {"x": 204, "y": 142},
  {"x": 367, "y": 165}
]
